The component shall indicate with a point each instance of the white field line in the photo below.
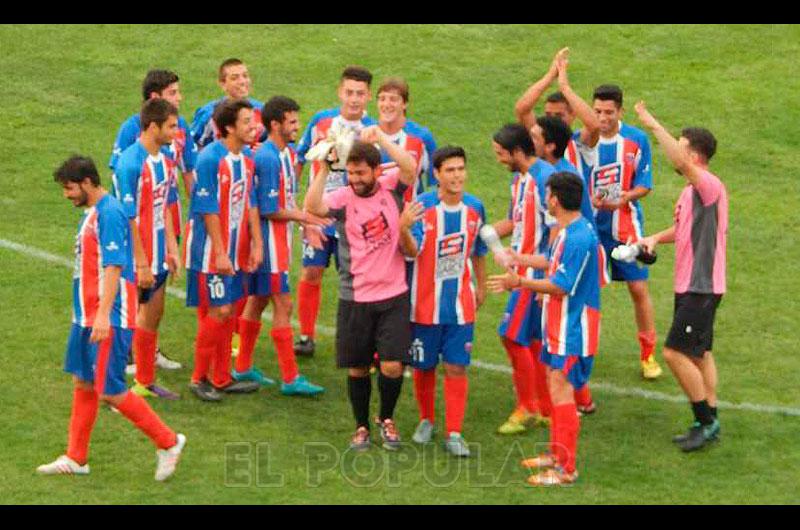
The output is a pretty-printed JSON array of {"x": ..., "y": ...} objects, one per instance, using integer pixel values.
[{"x": 327, "y": 330}]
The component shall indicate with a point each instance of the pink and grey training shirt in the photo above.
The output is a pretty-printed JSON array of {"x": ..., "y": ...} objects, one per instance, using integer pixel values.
[
  {"x": 371, "y": 267},
  {"x": 701, "y": 228}
]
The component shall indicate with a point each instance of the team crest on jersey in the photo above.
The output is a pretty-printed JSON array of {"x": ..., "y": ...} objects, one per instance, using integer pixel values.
[{"x": 630, "y": 157}]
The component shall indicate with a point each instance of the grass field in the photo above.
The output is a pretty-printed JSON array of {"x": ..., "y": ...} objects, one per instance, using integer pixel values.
[{"x": 67, "y": 89}]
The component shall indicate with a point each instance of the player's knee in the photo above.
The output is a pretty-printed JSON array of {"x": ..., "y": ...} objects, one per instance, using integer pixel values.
[
  {"x": 638, "y": 290},
  {"x": 80, "y": 384},
  {"x": 311, "y": 275},
  {"x": 392, "y": 369},
  {"x": 222, "y": 312},
  {"x": 455, "y": 370},
  {"x": 358, "y": 372}
]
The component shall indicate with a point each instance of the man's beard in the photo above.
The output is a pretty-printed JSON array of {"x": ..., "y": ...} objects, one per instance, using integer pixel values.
[
  {"x": 84, "y": 200},
  {"x": 367, "y": 191}
]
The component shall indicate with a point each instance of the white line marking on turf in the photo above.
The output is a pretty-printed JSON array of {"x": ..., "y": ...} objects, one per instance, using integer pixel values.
[{"x": 596, "y": 385}]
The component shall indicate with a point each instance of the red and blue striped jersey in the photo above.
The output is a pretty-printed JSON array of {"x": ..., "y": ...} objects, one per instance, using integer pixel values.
[
  {"x": 103, "y": 240},
  {"x": 571, "y": 322},
  {"x": 275, "y": 188},
  {"x": 442, "y": 290},
  {"x": 419, "y": 143},
  {"x": 623, "y": 163},
  {"x": 224, "y": 187},
  {"x": 142, "y": 184},
  {"x": 528, "y": 212},
  {"x": 182, "y": 150},
  {"x": 204, "y": 130}
]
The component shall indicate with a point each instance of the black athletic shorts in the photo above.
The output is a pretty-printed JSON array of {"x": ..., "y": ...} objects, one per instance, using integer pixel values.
[
  {"x": 363, "y": 328},
  {"x": 692, "y": 330}
]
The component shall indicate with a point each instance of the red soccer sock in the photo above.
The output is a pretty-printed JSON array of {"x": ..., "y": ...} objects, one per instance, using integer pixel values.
[
  {"x": 583, "y": 397},
  {"x": 248, "y": 336},
  {"x": 568, "y": 427},
  {"x": 144, "y": 354},
  {"x": 455, "y": 402},
  {"x": 283, "y": 340},
  {"x": 221, "y": 364},
  {"x": 647, "y": 343},
  {"x": 425, "y": 392},
  {"x": 136, "y": 409},
  {"x": 540, "y": 375},
  {"x": 238, "y": 306},
  {"x": 308, "y": 298},
  {"x": 81, "y": 422},
  {"x": 209, "y": 331},
  {"x": 523, "y": 375}
]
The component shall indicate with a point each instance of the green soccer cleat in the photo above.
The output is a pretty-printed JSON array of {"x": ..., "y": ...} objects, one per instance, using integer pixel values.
[
  {"x": 301, "y": 387},
  {"x": 253, "y": 374},
  {"x": 456, "y": 445}
]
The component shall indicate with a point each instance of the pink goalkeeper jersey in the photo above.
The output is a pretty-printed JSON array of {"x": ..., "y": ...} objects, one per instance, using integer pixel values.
[
  {"x": 701, "y": 228},
  {"x": 371, "y": 267}
]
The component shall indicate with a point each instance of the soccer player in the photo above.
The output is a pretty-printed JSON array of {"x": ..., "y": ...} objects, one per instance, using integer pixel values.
[
  {"x": 570, "y": 321},
  {"x": 393, "y": 95},
  {"x": 276, "y": 186},
  {"x": 443, "y": 298},
  {"x": 700, "y": 237},
  {"x": 320, "y": 246},
  {"x": 234, "y": 79},
  {"x": 104, "y": 309},
  {"x": 142, "y": 181},
  {"x": 163, "y": 84},
  {"x": 520, "y": 329},
  {"x": 620, "y": 179},
  {"x": 223, "y": 240},
  {"x": 373, "y": 312}
]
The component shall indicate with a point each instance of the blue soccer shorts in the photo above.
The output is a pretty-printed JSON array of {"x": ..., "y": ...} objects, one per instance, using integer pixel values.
[
  {"x": 146, "y": 294},
  {"x": 522, "y": 320},
  {"x": 621, "y": 271},
  {"x": 266, "y": 283},
  {"x": 213, "y": 290},
  {"x": 453, "y": 342},
  {"x": 102, "y": 364},
  {"x": 314, "y": 257},
  {"x": 577, "y": 368}
]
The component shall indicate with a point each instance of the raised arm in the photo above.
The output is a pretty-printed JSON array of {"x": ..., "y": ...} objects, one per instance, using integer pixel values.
[
  {"x": 523, "y": 109},
  {"x": 590, "y": 133},
  {"x": 313, "y": 202},
  {"x": 404, "y": 160},
  {"x": 677, "y": 155}
]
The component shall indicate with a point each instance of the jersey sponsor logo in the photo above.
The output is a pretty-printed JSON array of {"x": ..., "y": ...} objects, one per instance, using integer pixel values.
[
  {"x": 376, "y": 233},
  {"x": 608, "y": 180},
  {"x": 273, "y": 193},
  {"x": 202, "y": 192},
  {"x": 127, "y": 198}
]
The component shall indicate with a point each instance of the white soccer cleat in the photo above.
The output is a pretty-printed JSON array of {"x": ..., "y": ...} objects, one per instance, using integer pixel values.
[
  {"x": 167, "y": 364},
  {"x": 63, "y": 465},
  {"x": 168, "y": 459}
]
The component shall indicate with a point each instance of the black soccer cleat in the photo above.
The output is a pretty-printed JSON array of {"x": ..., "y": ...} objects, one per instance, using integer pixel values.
[
  {"x": 239, "y": 387},
  {"x": 698, "y": 436},
  {"x": 205, "y": 392},
  {"x": 304, "y": 348}
]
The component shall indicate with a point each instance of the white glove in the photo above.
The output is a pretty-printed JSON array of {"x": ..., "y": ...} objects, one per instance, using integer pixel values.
[{"x": 626, "y": 253}]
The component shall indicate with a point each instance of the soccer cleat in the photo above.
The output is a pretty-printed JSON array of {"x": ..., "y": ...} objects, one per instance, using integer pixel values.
[
  {"x": 239, "y": 387},
  {"x": 301, "y": 387},
  {"x": 389, "y": 435},
  {"x": 699, "y": 436},
  {"x": 205, "y": 392},
  {"x": 456, "y": 445},
  {"x": 651, "y": 369},
  {"x": 424, "y": 432},
  {"x": 162, "y": 361},
  {"x": 360, "y": 440},
  {"x": 585, "y": 410},
  {"x": 153, "y": 391},
  {"x": 544, "y": 460},
  {"x": 519, "y": 422},
  {"x": 552, "y": 477},
  {"x": 168, "y": 459},
  {"x": 683, "y": 437},
  {"x": 253, "y": 374},
  {"x": 304, "y": 347},
  {"x": 63, "y": 465}
]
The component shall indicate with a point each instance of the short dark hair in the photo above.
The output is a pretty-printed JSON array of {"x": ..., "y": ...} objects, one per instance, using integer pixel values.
[
  {"x": 515, "y": 136},
  {"x": 226, "y": 63},
  {"x": 276, "y": 108},
  {"x": 396, "y": 84},
  {"x": 364, "y": 152},
  {"x": 226, "y": 113},
  {"x": 608, "y": 93},
  {"x": 567, "y": 188},
  {"x": 357, "y": 73},
  {"x": 157, "y": 81},
  {"x": 441, "y": 155},
  {"x": 75, "y": 169},
  {"x": 156, "y": 111},
  {"x": 555, "y": 131},
  {"x": 701, "y": 141},
  {"x": 557, "y": 97}
]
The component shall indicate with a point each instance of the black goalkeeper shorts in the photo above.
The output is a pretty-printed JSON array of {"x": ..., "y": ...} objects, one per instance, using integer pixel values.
[
  {"x": 692, "y": 331},
  {"x": 363, "y": 328}
]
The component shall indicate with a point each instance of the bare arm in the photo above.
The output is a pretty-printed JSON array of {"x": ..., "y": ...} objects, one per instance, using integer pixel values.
[
  {"x": 510, "y": 281},
  {"x": 313, "y": 202},
  {"x": 590, "y": 133},
  {"x": 144, "y": 275},
  {"x": 256, "y": 241},
  {"x": 504, "y": 227},
  {"x": 404, "y": 160},
  {"x": 188, "y": 182},
  {"x": 677, "y": 156},
  {"x": 412, "y": 212},
  {"x": 173, "y": 254},
  {"x": 221, "y": 260},
  {"x": 101, "y": 328},
  {"x": 479, "y": 267},
  {"x": 665, "y": 236},
  {"x": 523, "y": 109}
]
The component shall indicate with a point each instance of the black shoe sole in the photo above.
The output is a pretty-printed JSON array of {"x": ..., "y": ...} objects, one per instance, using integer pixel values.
[{"x": 206, "y": 398}]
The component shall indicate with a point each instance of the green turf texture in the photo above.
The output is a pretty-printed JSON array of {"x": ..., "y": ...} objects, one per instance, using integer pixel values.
[{"x": 67, "y": 89}]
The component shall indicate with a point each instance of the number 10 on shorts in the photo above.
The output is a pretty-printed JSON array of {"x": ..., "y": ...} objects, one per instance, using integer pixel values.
[{"x": 216, "y": 287}]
